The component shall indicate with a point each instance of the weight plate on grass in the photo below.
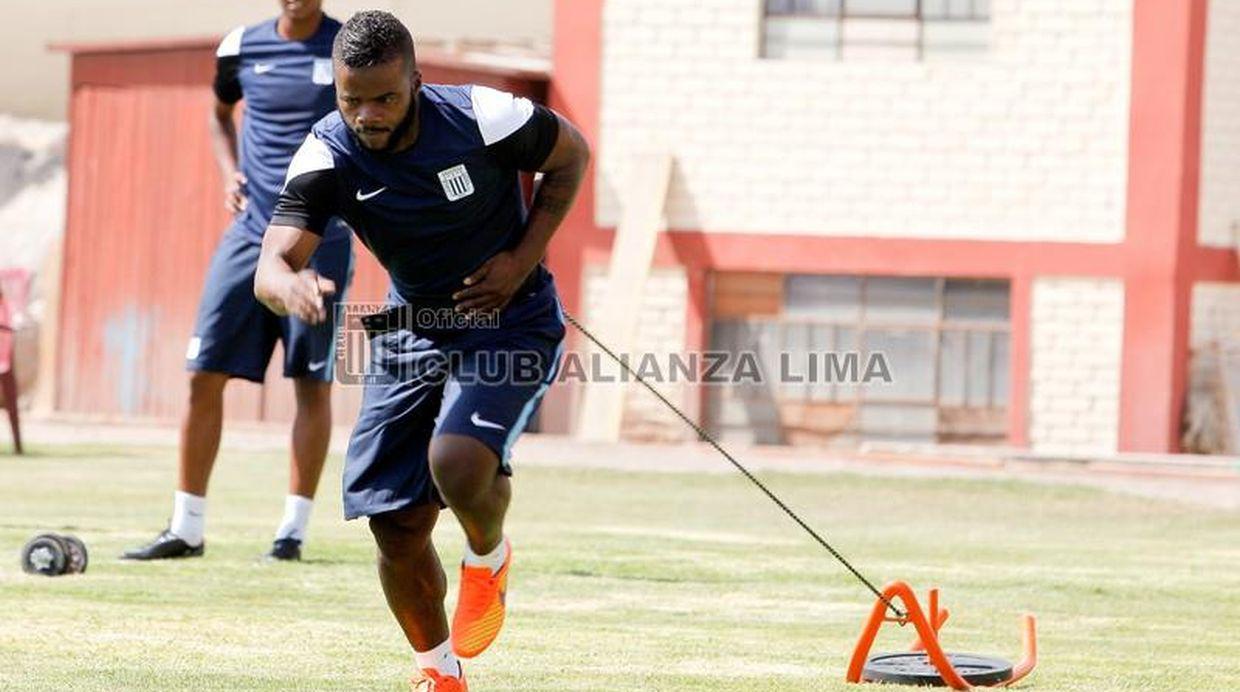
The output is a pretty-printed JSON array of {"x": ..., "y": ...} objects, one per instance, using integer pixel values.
[
  {"x": 915, "y": 668},
  {"x": 45, "y": 554},
  {"x": 78, "y": 557}
]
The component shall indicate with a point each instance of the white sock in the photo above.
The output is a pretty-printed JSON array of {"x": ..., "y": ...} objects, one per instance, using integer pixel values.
[
  {"x": 494, "y": 559},
  {"x": 189, "y": 517},
  {"x": 441, "y": 659},
  {"x": 296, "y": 516}
]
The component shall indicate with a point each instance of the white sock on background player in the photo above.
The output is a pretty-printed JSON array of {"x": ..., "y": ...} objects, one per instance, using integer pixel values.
[
  {"x": 189, "y": 517},
  {"x": 439, "y": 658},
  {"x": 493, "y": 560},
  {"x": 296, "y": 517}
]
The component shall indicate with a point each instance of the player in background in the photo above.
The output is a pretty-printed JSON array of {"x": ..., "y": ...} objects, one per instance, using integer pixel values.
[{"x": 282, "y": 69}]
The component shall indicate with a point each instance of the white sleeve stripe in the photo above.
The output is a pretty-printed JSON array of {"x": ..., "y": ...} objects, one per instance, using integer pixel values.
[
  {"x": 312, "y": 156},
  {"x": 498, "y": 113},
  {"x": 231, "y": 45}
]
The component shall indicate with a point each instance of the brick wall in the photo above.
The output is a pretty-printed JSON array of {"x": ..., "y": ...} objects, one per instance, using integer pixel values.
[
  {"x": 1026, "y": 141},
  {"x": 1215, "y": 315},
  {"x": 661, "y": 331},
  {"x": 1220, "y": 143},
  {"x": 1076, "y": 345}
]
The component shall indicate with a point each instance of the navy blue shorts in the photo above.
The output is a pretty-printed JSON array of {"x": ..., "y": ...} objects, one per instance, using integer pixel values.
[
  {"x": 236, "y": 335},
  {"x": 482, "y": 382}
]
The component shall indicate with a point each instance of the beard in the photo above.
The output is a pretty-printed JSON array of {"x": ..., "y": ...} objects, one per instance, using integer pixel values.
[
  {"x": 402, "y": 127},
  {"x": 396, "y": 133}
]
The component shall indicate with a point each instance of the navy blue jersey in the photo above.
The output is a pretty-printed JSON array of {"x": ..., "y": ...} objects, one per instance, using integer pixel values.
[
  {"x": 287, "y": 87},
  {"x": 433, "y": 213}
]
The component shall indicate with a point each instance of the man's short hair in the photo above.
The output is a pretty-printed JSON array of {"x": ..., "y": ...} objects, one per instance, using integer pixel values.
[{"x": 372, "y": 37}]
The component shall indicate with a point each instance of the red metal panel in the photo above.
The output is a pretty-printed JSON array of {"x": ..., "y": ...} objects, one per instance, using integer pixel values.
[
  {"x": 144, "y": 216},
  {"x": 186, "y": 67},
  {"x": 143, "y": 220}
]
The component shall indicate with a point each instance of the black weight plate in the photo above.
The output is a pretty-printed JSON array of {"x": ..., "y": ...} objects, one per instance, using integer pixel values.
[
  {"x": 78, "y": 557},
  {"x": 915, "y": 668},
  {"x": 46, "y": 555}
]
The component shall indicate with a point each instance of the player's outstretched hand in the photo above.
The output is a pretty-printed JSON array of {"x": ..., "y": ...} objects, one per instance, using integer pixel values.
[
  {"x": 234, "y": 194},
  {"x": 493, "y": 284},
  {"x": 304, "y": 295}
]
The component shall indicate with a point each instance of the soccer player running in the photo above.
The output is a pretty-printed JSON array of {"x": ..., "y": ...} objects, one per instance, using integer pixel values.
[
  {"x": 428, "y": 177},
  {"x": 282, "y": 69}
]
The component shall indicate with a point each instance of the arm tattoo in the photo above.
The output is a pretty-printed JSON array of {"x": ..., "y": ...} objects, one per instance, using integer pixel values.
[{"x": 556, "y": 192}]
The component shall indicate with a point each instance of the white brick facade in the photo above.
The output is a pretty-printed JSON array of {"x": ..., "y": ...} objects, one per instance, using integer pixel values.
[
  {"x": 1220, "y": 136},
  {"x": 660, "y": 331},
  {"x": 1076, "y": 348},
  {"x": 1025, "y": 141},
  {"x": 1215, "y": 315}
]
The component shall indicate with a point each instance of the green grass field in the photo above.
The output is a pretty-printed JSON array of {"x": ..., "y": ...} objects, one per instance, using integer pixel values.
[{"x": 623, "y": 581}]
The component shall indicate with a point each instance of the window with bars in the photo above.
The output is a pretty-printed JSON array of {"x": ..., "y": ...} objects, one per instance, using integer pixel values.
[
  {"x": 947, "y": 342},
  {"x": 840, "y": 29}
]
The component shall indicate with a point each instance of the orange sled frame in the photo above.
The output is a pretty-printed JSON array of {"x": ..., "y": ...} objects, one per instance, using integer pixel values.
[{"x": 928, "y": 636}]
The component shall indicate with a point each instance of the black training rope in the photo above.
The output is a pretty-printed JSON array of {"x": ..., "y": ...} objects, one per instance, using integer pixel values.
[{"x": 703, "y": 435}]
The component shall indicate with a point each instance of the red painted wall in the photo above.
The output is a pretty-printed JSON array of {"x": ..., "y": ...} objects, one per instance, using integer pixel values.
[
  {"x": 143, "y": 217},
  {"x": 1163, "y": 192}
]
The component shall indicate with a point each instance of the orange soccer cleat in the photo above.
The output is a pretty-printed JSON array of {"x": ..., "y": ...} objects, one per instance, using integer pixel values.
[
  {"x": 434, "y": 681},
  {"x": 480, "y": 608}
]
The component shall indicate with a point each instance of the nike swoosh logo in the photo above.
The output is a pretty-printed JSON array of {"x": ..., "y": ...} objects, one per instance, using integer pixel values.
[
  {"x": 363, "y": 196},
  {"x": 315, "y": 367},
  {"x": 477, "y": 420},
  {"x": 263, "y": 68}
]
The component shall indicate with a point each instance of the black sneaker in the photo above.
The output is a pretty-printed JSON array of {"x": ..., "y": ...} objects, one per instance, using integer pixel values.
[
  {"x": 285, "y": 549},
  {"x": 165, "y": 546}
]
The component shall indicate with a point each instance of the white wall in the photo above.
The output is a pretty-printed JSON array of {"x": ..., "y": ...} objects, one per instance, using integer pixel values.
[
  {"x": 1027, "y": 141},
  {"x": 1076, "y": 355},
  {"x": 1215, "y": 315},
  {"x": 1220, "y": 137},
  {"x": 34, "y": 81},
  {"x": 661, "y": 332}
]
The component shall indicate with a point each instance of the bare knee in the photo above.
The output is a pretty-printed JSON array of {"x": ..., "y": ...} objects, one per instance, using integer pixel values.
[
  {"x": 464, "y": 469},
  {"x": 405, "y": 535},
  {"x": 206, "y": 389},
  {"x": 408, "y": 564}
]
